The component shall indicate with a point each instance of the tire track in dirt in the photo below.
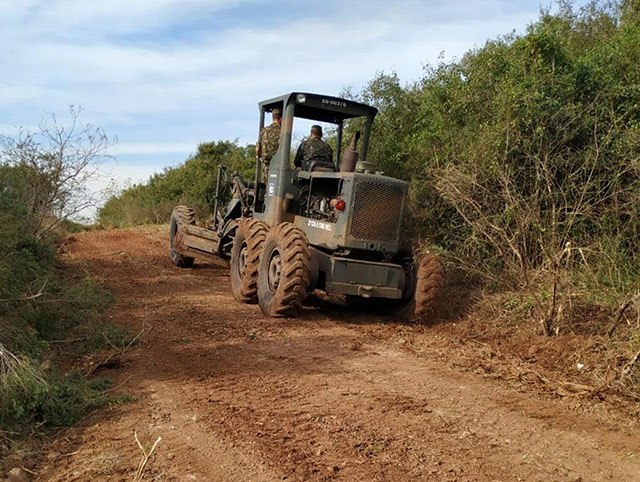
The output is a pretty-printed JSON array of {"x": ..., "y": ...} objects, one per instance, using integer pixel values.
[{"x": 333, "y": 395}]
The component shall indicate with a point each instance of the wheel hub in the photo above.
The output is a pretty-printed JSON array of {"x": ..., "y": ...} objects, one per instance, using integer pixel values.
[
  {"x": 275, "y": 265},
  {"x": 242, "y": 260}
]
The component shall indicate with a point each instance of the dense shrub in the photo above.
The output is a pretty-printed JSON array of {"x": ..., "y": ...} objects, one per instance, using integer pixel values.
[
  {"x": 38, "y": 306},
  {"x": 42, "y": 182},
  {"x": 28, "y": 395},
  {"x": 192, "y": 183}
]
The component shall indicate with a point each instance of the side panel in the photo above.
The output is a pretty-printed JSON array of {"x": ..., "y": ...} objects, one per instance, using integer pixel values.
[{"x": 320, "y": 233}]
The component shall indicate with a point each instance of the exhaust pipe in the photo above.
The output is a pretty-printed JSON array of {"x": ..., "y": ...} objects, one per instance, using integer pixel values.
[{"x": 350, "y": 156}]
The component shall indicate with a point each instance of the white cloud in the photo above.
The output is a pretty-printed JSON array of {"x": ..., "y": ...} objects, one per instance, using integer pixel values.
[
  {"x": 82, "y": 18},
  {"x": 148, "y": 148},
  {"x": 324, "y": 54}
]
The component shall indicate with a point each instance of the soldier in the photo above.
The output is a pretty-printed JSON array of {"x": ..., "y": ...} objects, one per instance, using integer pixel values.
[
  {"x": 314, "y": 149},
  {"x": 269, "y": 138}
]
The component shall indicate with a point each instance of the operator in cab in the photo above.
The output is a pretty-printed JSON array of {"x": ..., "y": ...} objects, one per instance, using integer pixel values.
[
  {"x": 269, "y": 138},
  {"x": 314, "y": 153}
]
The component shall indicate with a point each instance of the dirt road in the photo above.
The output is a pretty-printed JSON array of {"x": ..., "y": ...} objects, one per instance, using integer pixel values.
[{"x": 333, "y": 395}]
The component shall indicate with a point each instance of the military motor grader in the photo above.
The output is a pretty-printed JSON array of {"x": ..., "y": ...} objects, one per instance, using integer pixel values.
[{"x": 334, "y": 226}]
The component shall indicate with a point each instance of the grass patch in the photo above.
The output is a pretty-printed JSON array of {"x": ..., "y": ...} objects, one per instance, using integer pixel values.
[
  {"x": 30, "y": 396},
  {"x": 122, "y": 399}
]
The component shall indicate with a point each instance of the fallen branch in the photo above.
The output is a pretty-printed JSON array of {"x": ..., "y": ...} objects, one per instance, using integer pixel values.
[
  {"x": 26, "y": 298},
  {"x": 628, "y": 368},
  {"x": 145, "y": 455},
  {"x": 118, "y": 350},
  {"x": 620, "y": 314},
  {"x": 105, "y": 363},
  {"x": 11, "y": 365},
  {"x": 123, "y": 349},
  {"x": 118, "y": 385}
]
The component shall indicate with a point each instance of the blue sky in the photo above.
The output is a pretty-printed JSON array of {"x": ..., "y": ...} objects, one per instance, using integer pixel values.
[{"x": 164, "y": 75}]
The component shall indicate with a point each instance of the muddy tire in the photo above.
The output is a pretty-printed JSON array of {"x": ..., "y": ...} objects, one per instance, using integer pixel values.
[
  {"x": 181, "y": 215},
  {"x": 423, "y": 287},
  {"x": 245, "y": 259},
  {"x": 284, "y": 272}
]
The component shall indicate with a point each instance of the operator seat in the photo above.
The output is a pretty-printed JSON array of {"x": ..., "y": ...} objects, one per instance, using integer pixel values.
[{"x": 319, "y": 164}]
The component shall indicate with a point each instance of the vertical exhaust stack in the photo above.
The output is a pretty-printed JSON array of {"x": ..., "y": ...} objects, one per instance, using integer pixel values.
[{"x": 350, "y": 156}]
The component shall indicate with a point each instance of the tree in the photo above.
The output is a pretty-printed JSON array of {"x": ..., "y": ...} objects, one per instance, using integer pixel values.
[{"x": 55, "y": 163}]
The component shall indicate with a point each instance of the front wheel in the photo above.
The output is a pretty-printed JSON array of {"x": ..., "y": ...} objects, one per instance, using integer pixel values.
[
  {"x": 424, "y": 280},
  {"x": 245, "y": 259},
  {"x": 284, "y": 272},
  {"x": 181, "y": 215}
]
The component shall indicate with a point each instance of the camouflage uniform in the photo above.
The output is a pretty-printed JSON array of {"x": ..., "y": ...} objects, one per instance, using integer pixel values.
[
  {"x": 269, "y": 140},
  {"x": 312, "y": 149}
]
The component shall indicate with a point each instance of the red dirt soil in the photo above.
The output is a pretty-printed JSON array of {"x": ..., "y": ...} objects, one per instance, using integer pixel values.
[{"x": 332, "y": 395}]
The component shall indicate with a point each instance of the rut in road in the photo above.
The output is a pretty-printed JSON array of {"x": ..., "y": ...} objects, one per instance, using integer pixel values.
[{"x": 332, "y": 395}]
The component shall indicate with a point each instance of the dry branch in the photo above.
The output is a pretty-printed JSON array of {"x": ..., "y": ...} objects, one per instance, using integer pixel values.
[
  {"x": 624, "y": 307},
  {"x": 145, "y": 455}
]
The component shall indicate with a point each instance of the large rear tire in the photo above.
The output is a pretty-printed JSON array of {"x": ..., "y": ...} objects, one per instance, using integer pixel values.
[
  {"x": 245, "y": 259},
  {"x": 181, "y": 215},
  {"x": 424, "y": 280},
  {"x": 284, "y": 272}
]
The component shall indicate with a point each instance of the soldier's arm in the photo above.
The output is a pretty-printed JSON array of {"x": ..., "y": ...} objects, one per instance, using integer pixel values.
[
  {"x": 299, "y": 155},
  {"x": 259, "y": 145}
]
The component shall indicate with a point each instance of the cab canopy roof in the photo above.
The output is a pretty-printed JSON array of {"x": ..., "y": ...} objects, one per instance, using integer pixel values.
[{"x": 323, "y": 108}]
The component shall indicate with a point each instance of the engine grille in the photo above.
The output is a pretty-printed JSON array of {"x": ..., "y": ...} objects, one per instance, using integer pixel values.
[{"x": 377, "y": 210}]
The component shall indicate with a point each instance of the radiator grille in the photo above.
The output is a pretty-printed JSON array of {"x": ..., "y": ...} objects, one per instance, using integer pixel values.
[{"x": 377, "y": 211}]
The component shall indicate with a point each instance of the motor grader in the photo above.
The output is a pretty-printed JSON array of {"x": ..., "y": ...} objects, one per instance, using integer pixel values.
[{"x": 334, "y": 226}]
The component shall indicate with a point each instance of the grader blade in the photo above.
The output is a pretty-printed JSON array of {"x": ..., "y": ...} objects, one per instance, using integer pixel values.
[{"x": 197, "y": 242}]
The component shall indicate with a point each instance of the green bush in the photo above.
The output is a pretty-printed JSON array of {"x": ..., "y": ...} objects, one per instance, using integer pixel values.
[
  {"x": 28, "y": 396},
  {"x": 526, "y": 150},
  {"x": 193, "y": 183},
  {"x": 39, "y": 306}
]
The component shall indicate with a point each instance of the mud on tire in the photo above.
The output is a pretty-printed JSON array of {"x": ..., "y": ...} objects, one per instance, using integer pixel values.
[
  {"x": 245, "y": 259},
  {"x": 423, "y": 287},
  {"x": 284, "y": 272},
  {"x": 181, "y": 215}
]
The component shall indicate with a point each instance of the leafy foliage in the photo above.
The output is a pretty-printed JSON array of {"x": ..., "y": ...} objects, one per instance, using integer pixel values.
[
  {"x": 523, "y": 155},
  {"x": 29, "y": 396},
  {"x": 38, "y": 190},
  {"x": 193, "y": 183},
  {"x": 53, "y": 166}
]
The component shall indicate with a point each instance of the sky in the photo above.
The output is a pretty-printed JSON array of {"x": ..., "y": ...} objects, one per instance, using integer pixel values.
[{"x": 162, "y": 76}]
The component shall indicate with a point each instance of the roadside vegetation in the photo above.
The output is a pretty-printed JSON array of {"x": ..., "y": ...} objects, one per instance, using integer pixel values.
[
  {"x": 44, "y": 308},
  {"x": 523, "y": 159},
  {"x": 192, "y": 183}
]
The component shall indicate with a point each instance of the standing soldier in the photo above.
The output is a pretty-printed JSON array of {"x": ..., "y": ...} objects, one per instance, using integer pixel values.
[
  {"x": 314, "y": 150},
  {"x": 269, "y": 138}
]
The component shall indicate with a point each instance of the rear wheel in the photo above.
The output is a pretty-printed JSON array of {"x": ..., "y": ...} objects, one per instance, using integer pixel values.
[
  {"x": 284, "y": 272},
  {"x": 245, "y": 259},
  {"x": 181, "y": 215},
  {"x": 424, "y": 279}
]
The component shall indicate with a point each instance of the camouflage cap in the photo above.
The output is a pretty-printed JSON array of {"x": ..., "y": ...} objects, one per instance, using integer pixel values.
[{"x": 276, "y": 112}]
